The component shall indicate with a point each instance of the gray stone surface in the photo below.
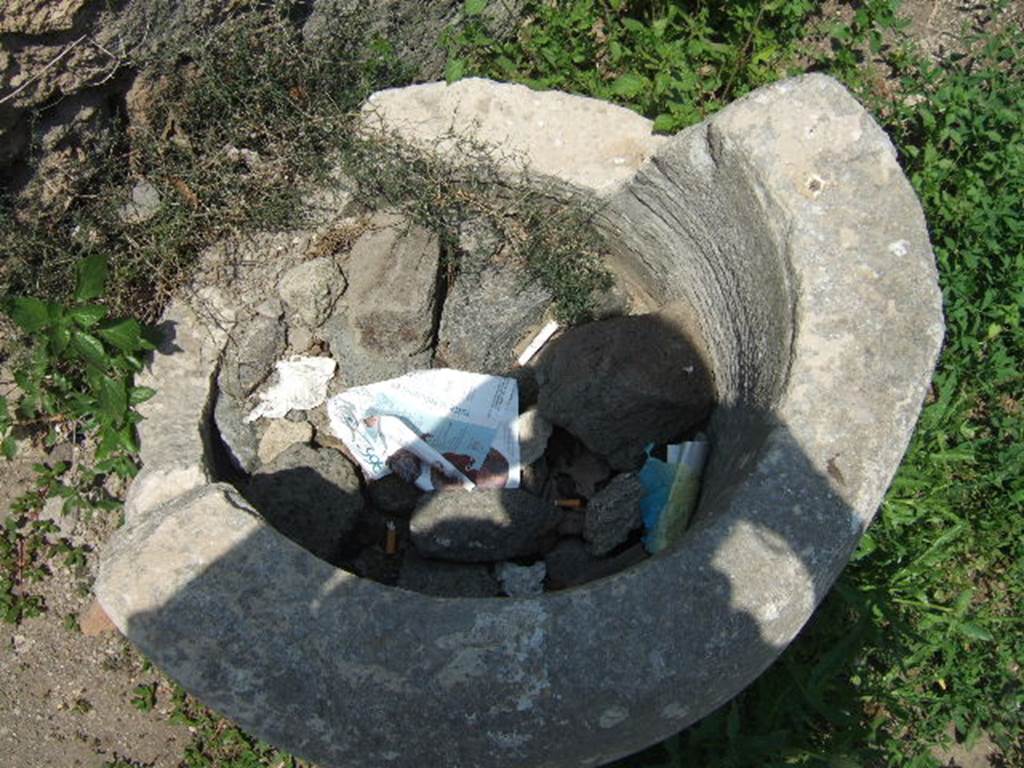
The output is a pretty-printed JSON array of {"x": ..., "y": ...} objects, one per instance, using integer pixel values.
[
  {"x": 583, "y": 143},
  {"x": 281, "y": 434},
  {"x": 521, "y": 580},
  {"x": 534, "y": 477},
  {"x": 393, "y": 494},
  {"x": 490, "y": 308},
  {"x": 622, "y": 383},
  {"x": 382, "y": 325},
  {"x": 312, "y": 496},
  {"x": 611, "y": 302},
  {"x": 613, "y": 513},
  {"x": 785, "y": 222},
  {"x": 481, "y": 526},
  {"x": 432, "y": 577},
  {"x": 534, "y": 431},
  {"x": 571, "y": 563},
  {"x": 322, "y": 427},
  {"x": 311, "y": 289},
  {"x": 572, "y": 522},
  {"x": 241, "y": 439},
  {"x": 250, "y": 358}
]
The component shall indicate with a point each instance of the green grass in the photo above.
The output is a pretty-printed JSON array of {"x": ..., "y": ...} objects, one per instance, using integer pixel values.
[
  {"x": 219, "y": 743},
  {"x": 925, "y": 629}
]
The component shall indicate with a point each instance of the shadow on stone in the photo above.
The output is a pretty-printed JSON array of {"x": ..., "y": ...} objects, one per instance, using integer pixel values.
[
  {"x": 323, "y": 663},
  {"x": 310, "y": 509}
]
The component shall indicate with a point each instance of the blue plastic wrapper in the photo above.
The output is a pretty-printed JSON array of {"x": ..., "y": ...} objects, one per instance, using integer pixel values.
[{"x": 671, "y": 489}]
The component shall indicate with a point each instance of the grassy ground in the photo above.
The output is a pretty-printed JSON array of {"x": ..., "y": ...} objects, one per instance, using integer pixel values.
[{"x": 925, "y": 630}]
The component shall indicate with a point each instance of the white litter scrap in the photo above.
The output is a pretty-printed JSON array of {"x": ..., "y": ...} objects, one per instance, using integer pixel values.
[
  {"x": 433, "y": 428},
  {"x": 539, "y": 341},
  {"x": 301, "y": 386}
]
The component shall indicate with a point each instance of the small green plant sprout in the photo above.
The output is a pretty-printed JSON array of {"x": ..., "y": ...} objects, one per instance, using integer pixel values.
[
  {"x": 77, "y": 377},
  {"x": 144, "y": 697},
  {"x": 22, "y": 545},
  {"x": 8, "y": 445}
]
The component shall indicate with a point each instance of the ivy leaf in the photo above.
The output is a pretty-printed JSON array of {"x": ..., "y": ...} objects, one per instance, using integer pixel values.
[
  {"x": 109, "y": 440},
  {"x": 974, "y": 631},
  {"x": 454, "y": 70},
  {"x": 87, "y": 315},
  {"x": 140, "y": 395},
  {"x": 474, "y": 7},
  {"x": 9, "y": 446},
  {"x": 89, "y": 348},
  {"x": 92, "y": 277},
  {"x": 629, "y": 85},
  {"x": 113, "y": 400},
  {"x": 60, "y": 337},
  {"x": 664, "y": 123},
  {"x": 125, "y": 334},
  {"x": 128, "y": 438},
  {"x": 29, "y": 314}
]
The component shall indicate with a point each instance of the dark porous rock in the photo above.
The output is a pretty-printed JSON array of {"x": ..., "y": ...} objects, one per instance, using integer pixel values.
[
  {"x": 250, "y": 357},
  {"x": 612, "y": 301},
  {"x": 613, "y": 514},
  {"x": 433, "y": 577},
  {"x": 534, "y": 478},
  {"x": 375, "y": 564},
  {"x": 580, "y": 471},
  {"x": 312, "y": 496},
  {"x": 241, "y": 439},
  {"x": 571, "y": 563},
  {"x": 526, "y": 382},
  {"x": 622, "y": 383},
  {"x": 490, "y": 308},
  {"x": 534, "y": 431},
  {"x": 572, "y": 523},
  {"x": 393, "y": 494},
  {"x": 382, "y": 326},
  {"x": 482, "y": 525}
]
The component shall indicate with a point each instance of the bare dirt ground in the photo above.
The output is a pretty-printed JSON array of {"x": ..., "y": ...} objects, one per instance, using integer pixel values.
[{"x": 66, "y": 698}]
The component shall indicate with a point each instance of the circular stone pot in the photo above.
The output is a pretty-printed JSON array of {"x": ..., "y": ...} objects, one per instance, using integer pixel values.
[{"x": 786, "y": 223}]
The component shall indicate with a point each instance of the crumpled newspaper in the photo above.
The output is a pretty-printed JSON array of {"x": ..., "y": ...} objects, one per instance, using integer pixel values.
[
  {"x": 301, "y": 385},
  {"x": 433, "y": 428}
]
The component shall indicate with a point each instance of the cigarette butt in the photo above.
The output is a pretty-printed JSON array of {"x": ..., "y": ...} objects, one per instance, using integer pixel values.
[
  {"x": 569, "y": 503},
  {"x": 391, "y": 544}
]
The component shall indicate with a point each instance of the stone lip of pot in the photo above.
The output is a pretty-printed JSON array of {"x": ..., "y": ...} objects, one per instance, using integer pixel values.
[{"x": 785, "y": 221}]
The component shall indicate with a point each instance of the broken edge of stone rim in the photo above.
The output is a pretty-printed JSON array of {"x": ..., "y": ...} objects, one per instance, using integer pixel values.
[{"x": 345, "y": 671}]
